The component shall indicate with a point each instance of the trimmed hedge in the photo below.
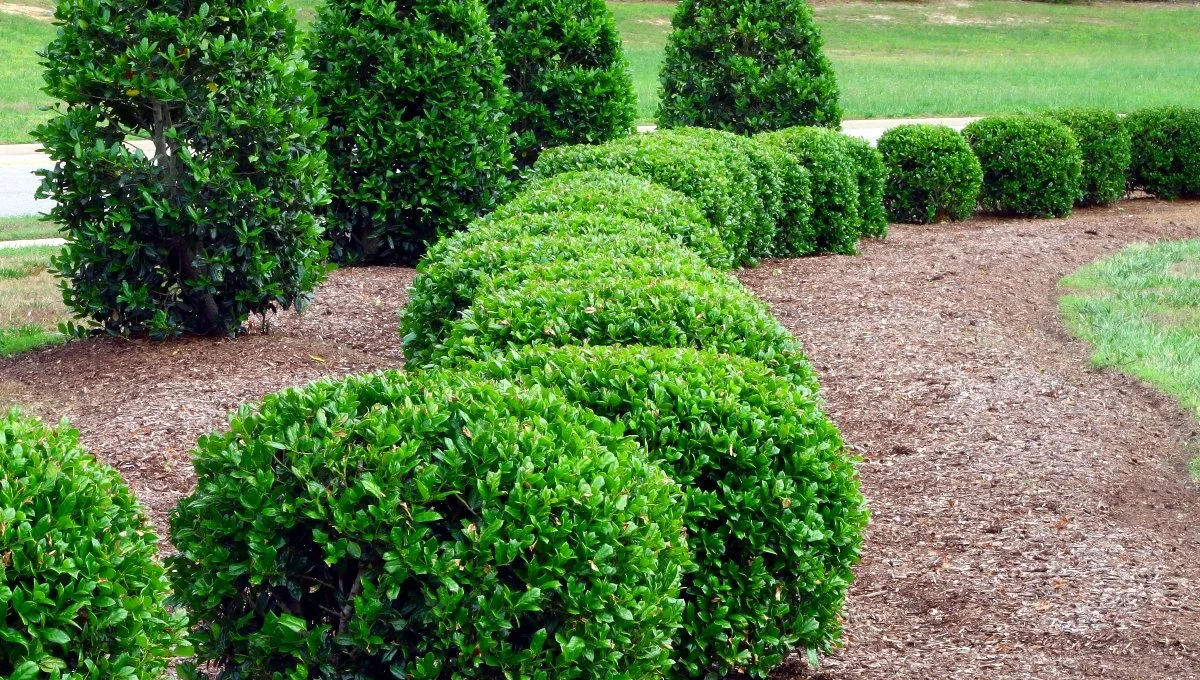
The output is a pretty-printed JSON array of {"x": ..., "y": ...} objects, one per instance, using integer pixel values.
[
  {"x": 82, "y": 594},
  {"x": 774, "y": 511},
  {"x": 428, "y": 526},
  {"x": 1031, "y": 165},
  {"x": 872, "y": 177},
  {"x": 933, "y": 175},
  {"x": 1105, "y": 145},
  {"x": 794, "y": 234},
  {"x": 1165, "y": 151}
]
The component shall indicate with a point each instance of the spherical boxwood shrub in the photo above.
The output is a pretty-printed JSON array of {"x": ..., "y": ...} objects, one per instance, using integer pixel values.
[
  {"x": 932, "y": 174},
  {"x": 1104, "y": 144},
  {"x": 618, "y": 194},
  {"x": 1031, "y": 165},
  {"x": 81, "y": 591},
  {"x": 1166, "y": 151},
  {"x": 872, "y": 176},
  {"x": 569, "y": 78},
  {"x": 836, "y": 220},
  {"x": 414, "y": 94},
  {"x": 775, "y": 515},
  {"x": 428, "y": 526},
  {"x": 747, "y": 67}
]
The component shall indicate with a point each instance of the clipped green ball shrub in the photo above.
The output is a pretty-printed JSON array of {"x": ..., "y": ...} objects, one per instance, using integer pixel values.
[
  {"x": 775, "y": 515},
  {"x": 932, "y": 174},
  {"x": 872, "y": 177},
  {"x": 747, "y": 67},
  {"x": 1165, "y": 151},
  {"x": 1031, "y": 165},
  {"x": 1105, "y": 146},
  {"x": 428, "y": 527},
  {"x": 836, "y": 219},
  {"x": 568, "y": 75},
  {"x": 794, "y": 234},
  {"x": 413, "y": 91},
  {"x": 82, "y": 594}
]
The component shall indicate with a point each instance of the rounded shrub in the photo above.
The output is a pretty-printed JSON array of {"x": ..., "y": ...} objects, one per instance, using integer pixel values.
[
  {"x": 428, "y": 526},
  {"x": 1105, "y": 146},
  {"x": 774, "y": 517},
  {"x": 872, "y": 177},
  {"x": 568, "y": 75},
  {"x": 932, "y": 174},
  {"x": 836, "y": 219},
  {"x": 747, "y": 67},
  {"x": 413, "y": 91},
  {"x": 794, "y": 235},
  {"x": 82, "y": 594},
  {"x": 216, "y": 224},
  {"x": 1165, "y": 151},
  {"x": 1031, "y": 165},
  {"x": 618, "y": 194}
]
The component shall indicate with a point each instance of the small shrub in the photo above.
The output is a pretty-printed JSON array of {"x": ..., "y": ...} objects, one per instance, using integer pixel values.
[
  {"x": 1105, "y": 146},
  {"x": 1166, "y": 151},
  {"x": 932, "y": 174},
  {"x": 836, "y": 218},
  {"x": 428, "y": 526},
  {"x": 1031, "y": 165},
  {"x": 747, "y": 67},
  {"x": 82, "y": 594},
  {"x": 569, "y": 78},
  {"x": 872, "y": 176},
  {"x": 794, "y": 234}
]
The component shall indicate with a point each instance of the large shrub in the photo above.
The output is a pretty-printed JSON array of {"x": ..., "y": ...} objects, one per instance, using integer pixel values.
[
  {"x": 81, "y": 591},
  {"x": 747, "y": 67},
  {"x": 568, "y": 75},
  {"x": 427, "y": 527},
  {"x": 775, "y": 516},
  {"x": 418, "y": 135},
  {"x": 1166, "y": 151},
  {"x": 836, "y": 219},
  {"x": 872, "y": 177},
  {"x": 216, "y": 223},
  {"x": 932, "y": 174},
  {"x": 1105, "y": 146},
  {"x": 1031, "y": 165}
]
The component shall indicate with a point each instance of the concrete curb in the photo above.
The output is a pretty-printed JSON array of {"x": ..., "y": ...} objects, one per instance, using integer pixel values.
[{"x": 32, "y": 243}]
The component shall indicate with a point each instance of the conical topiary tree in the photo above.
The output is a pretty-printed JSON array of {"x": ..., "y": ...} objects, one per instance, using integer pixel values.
[
  {"x": 413, "y": 92},
  {"x": 216, "y": 222},
  {"x": 568, "y": 75},
  {"x": 747, "y": 67}
]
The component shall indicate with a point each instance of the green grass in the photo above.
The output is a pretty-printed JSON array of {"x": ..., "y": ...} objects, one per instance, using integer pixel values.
[
  {"x": 21, "y": 97},
  {"x": 22, "y": 228},
  {"x": 31, "y": 306},
  {"x": 644, "y": 29},
  {"x": 1140, "y": 310}
]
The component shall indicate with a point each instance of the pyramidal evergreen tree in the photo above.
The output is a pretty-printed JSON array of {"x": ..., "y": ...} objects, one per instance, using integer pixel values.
[
  {"x": 567, "y": 72},
  {"x": 418, "y": 131},
  {"x": 747, "y": 67},
  {"x": 216, "y": 221}
]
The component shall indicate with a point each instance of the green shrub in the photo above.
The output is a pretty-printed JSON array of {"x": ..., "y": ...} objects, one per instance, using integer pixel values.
[
  {"x": 569, "y": 78},
  {"x": 775, "y": 516},
  {"x": 932, "y": 174},
  {"x": 836, "y": 218},
  {"x": 428, "y": 527},
  {"x": 620, "y": 195},
  {"x": 1105, "y": 146},
  {"x": 1031, "y": 165},
  {"x": 747, "y": 67},
  {"x": 217, "y": 223},
  {"x": 414, "y": 94},
  {"x": 872, "y": 177},
  {"x": 794, "y": 234},
  {"x": 1166, "y": 151},
  {"x": 81, "y": 591}
]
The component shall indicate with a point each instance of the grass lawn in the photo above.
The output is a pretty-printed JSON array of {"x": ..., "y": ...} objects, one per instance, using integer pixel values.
[
  {"x": 22, "y": 228},
  {"x": 31, "y": 306},
  {"x": 1140, "y": 310}
]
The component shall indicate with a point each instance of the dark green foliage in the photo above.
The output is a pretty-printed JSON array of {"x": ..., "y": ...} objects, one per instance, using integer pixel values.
[
  {"x": 217, "y": 224},
  {"x": 794, "y": 234},
  {"x": 1166, "y": 151},
  {"x": 418, "y": 134},
  {"x": 836, "y": 218},
  {"x": 775, "y": 516},
  {"x": 872, "y": 176},
  {"x": 932, "y": 174},
  {"x": 1031, "y": 165},
  {"x": 1104, "y": 144},
  {"x": 568, "y": 75},
  {"x": 82, "y": 594},
  {"x": 621, "y": 195},
  {"x": 428, "y": 527},
  {"x": 747, "y": 67}
]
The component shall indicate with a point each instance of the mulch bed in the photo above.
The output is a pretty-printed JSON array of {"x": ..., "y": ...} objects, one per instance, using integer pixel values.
[{"x": 1031, "y": 515}]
